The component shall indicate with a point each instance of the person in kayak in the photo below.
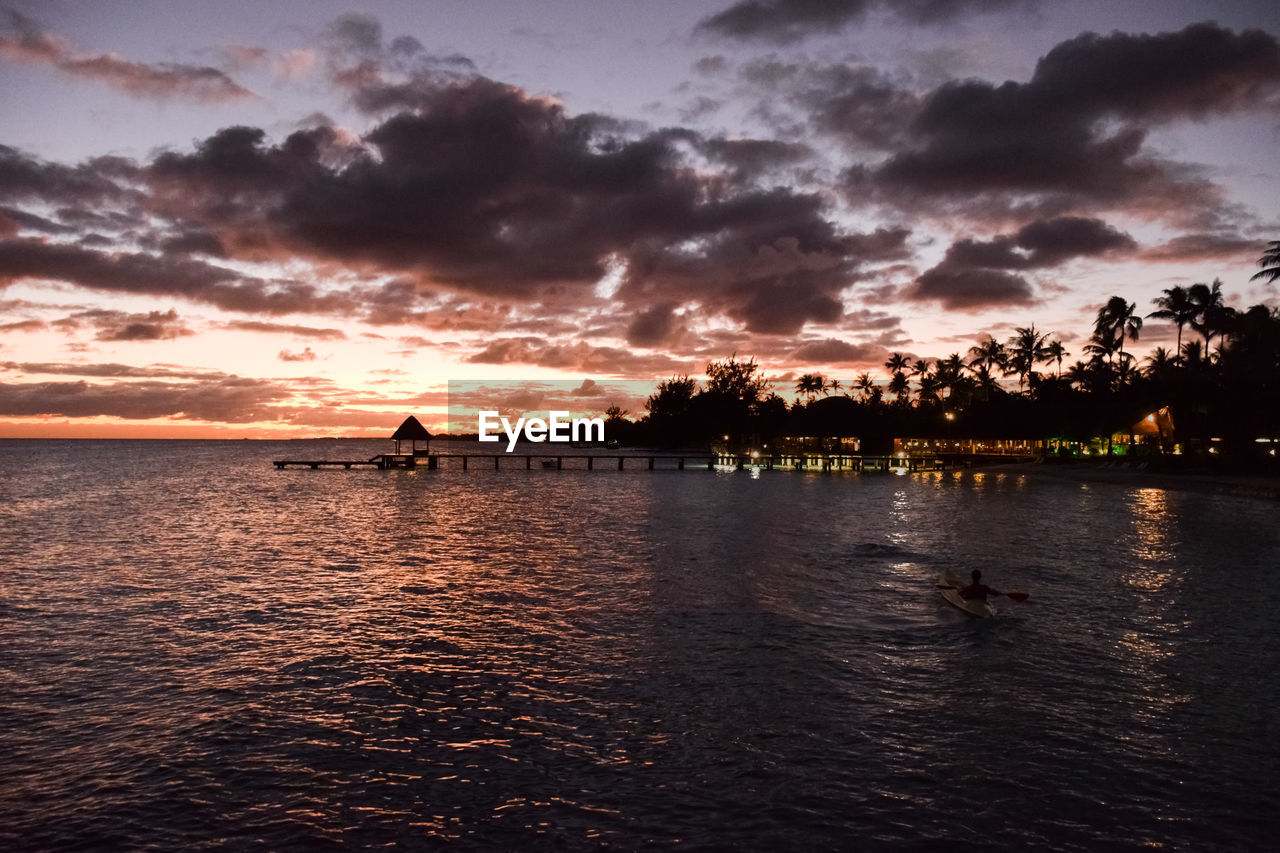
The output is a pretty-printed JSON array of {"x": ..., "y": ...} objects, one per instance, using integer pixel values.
[{"x": 977, "y": 591}]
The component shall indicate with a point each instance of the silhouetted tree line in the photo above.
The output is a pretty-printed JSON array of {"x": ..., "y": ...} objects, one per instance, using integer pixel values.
[{"x": 1223, "y": 384}]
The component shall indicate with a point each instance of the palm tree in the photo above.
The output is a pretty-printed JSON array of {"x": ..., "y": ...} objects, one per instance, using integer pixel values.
[
  {"x": 811, "y": 385},
  {"x": 900, "y": 387},
  {"x": 1212, "y": 315},
  {"x": 1025, "y": 348},
  {"x": 1079, "y": 374},
  {"x": 865, "y": 384},
  {"x": 1055, "y": 351},
  {"x": 920, "y": 371},
  {"x": 929, "y": 387},
  {"x": 947, "y": 372},
  {"x": 1175, "y": 305},
  {"x": 951, "y": 366},
  {"x": 989, "y": 354},
  {"x": 1103, "y": 347},
  {"x": 1192, "y": 353},
  {"x": 1159, "y": 365},
  {"x": 1117, "y": 319},
  {"x": 1270, "y": 263},
  {"x": 896, "y": 363},
  {"x": 832, "y": 387},
  {"x": 985, "y": 381}
]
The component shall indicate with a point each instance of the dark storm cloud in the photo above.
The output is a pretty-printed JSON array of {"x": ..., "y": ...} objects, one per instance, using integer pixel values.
[
  {"x": 125, "y": 326},
  {"x": 978, "y": 273},
  {"x": 307, "y": 354},
  {"x": 788, "y": 269},
  {"x": 379, "y": 76},
  {"x": 1204, "y": 247},
  {"x": 1044, "y": 243},
  {"x": 24, "y": 326},
  {"x": 863, "y": 106},
  {"x": 148, "y": 274},
  {"x": 576, "y": 356},
  {"x": 835, "y": 351},
  {"x": 654, "y": 325},
  {"x": 485, "y": 191},
  {"x": 784, "y": 21},
  {"x": 1075, "y": 131},
  {"x": 192, "y": 243},
  {"x": 23, "y": 40},
  {"x": 224, "y": 399},
  {"x": 750, "y": 158},
  {"x": 26, "y": 178},
  {"x": 286, "y": 329},
  {"x": 108, "y": 370},
  {"x": 13, "y": 220},
  {"x": 968, "y": 289}
]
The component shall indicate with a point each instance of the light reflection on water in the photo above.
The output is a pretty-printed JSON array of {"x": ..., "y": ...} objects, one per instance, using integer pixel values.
[{"x": 201, "y": 652}]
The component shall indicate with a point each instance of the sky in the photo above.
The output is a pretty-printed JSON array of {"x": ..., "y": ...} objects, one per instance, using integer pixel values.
[{"x": 246, "y": 219}]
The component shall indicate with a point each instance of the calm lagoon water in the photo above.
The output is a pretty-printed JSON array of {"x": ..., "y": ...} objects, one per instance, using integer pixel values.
[{"x": 200, "y": 652}]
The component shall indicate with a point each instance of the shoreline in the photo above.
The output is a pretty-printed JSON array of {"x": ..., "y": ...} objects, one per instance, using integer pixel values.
[{"x": 1264, "y": 486}]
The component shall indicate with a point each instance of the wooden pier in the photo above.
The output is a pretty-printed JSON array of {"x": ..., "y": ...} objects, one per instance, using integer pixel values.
[{"x": 682, "y": 461}]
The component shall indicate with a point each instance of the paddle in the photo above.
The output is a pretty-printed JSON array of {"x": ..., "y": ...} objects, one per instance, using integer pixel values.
[{"x": 1012, "y": 596}]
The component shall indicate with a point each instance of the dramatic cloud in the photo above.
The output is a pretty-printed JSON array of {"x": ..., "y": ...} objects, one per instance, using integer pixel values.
[
  {"x": 148, "y": 274},
  {"x": 23, "y": 40},
  {"x": 380, "y": 76},
  {"x": 25, "y": 178},
  {"x": 286, "y": 329},
  {"x": 1075, "y": 132},
  {"x": 1044, "y": 243},
  {"x": 485, "y": 191},
  {"x": 109, "y": 371},
  {"x": 975, "y": 274},
  {"x": 861, "y": 105},
  {"x": 24, "y": 326},
  {"x": 124, "y": 326},
  {"x": 654, "y": 325},
  {"x": 1204, "y": 247},
  {"x": 307, "y": 354},
  {"x": 972, "y": 289},
  {"x": 784, "y": 21},
  {"x": 834, "y": 351},
  {"x": 579, "y": 356},
  {"x": 225, "y": 399}
]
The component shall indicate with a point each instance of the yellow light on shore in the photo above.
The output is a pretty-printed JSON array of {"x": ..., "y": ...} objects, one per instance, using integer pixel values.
[{"x": 951, "y": 416}]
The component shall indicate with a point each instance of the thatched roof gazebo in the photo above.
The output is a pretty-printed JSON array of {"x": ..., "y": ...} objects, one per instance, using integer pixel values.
[{"x": 411, "y": 431}]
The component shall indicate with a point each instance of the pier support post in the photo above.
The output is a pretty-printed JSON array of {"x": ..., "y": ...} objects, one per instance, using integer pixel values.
[
  {"x": 650, "y": 462},
  {"x": 559, "y": 463},
  {"x": 464, "y": 462},
  {"x": 680, "y": 463},
  {"x": 433, "y": 462},
  {"x": 528, "y": 463},
  {"x": 620, "y": 458},
  {"x": 590, "y": 462},
  {"x": 496, "y": 459}
]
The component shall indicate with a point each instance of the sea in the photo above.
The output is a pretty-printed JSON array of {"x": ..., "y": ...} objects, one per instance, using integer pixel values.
[{"x": 200, "y": 652}]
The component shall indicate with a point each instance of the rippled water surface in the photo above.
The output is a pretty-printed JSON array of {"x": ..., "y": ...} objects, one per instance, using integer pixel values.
[{"x": 200, "y": 652}]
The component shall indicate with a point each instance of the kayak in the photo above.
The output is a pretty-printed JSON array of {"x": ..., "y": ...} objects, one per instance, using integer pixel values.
[{"x": 976, "y": 608}]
